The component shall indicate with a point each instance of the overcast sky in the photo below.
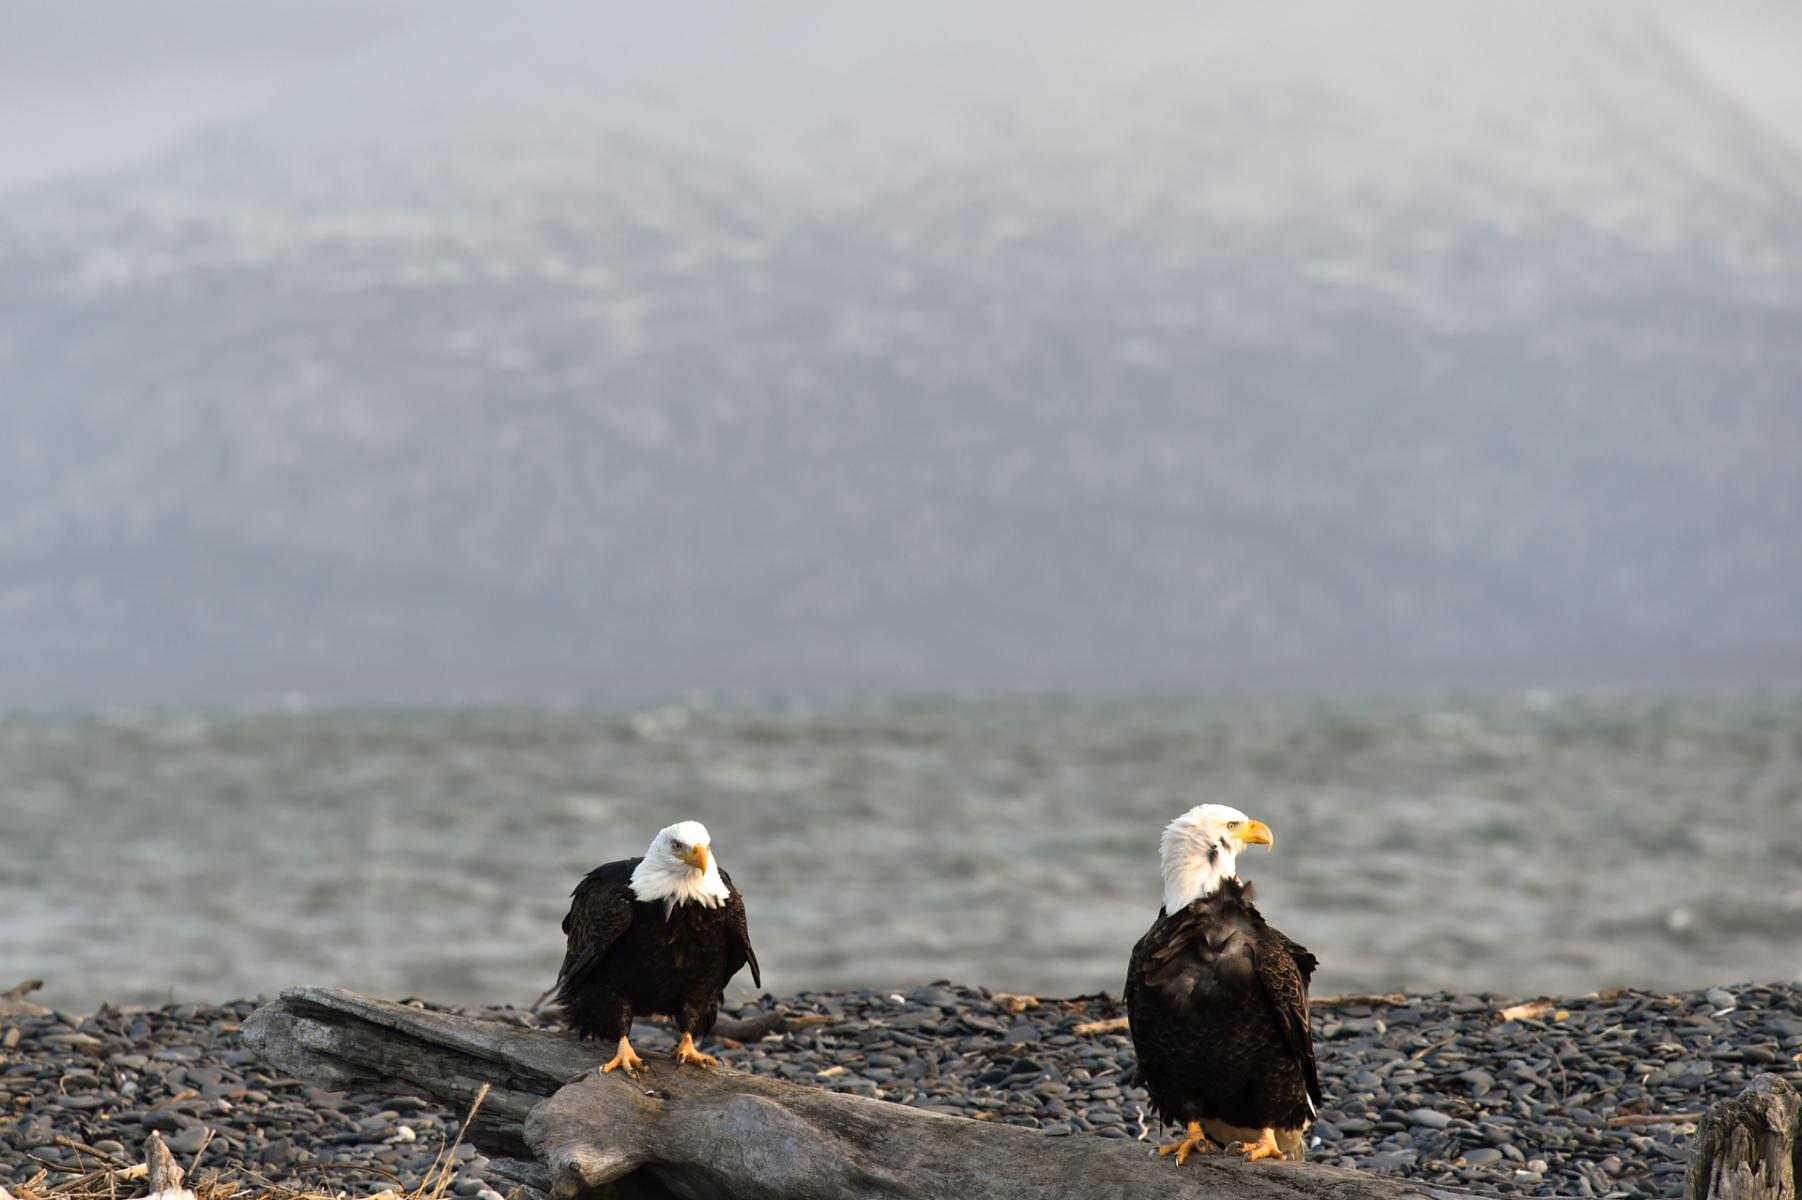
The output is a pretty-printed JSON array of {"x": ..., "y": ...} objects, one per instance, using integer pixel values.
[
  {"x": 94, "y": 84},
  {"x": 88, "y": 84}
]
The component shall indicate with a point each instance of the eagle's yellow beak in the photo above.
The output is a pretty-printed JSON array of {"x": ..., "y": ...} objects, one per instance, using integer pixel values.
[
  {"x": 696, "y": 858},
  {"x": 1256, "y": 833}
]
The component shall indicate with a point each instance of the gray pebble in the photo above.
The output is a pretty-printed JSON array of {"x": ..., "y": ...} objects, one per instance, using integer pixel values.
[
  {"x": 166, "y": 1120},
  {"x": 188, "y": 1141},
  {"x": 81, "y": 1103},
  {"x": 1479, "y": 1080}
]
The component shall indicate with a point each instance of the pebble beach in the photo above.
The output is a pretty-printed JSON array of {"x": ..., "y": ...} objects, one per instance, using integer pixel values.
[{"x": 1586, "y": 1096}]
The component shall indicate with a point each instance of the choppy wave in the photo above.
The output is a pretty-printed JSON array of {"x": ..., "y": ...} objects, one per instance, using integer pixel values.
[{"x": 1537, "y": 843}]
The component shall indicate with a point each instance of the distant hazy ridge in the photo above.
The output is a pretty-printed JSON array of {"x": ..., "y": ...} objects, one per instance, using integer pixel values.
[{"x": 1415, "y": 343}]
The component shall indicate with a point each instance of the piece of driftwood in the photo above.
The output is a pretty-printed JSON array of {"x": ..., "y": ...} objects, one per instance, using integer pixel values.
[
  {"x": 1749, "y": 1147},
  {"x": 777, "y": 1020},
  {"x": 343, "y": 1041},
  {"x": 160, "y": 1167},
  {"x": 730, "y": 1136},
  {"x": 1633, "y": 1120},
  {"x": 1370, "y": 999},
  {"x": 92, "y": 1152},
  {"x": 14, "y": 1004},
  {"x": 1012, "y": 1003},
  {"x": 725, "y": 1135}
]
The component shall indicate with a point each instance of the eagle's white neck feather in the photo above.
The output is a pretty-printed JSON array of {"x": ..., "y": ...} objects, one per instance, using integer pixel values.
[
  {"x": 1198, "y": 855},
  {"x": 1190, "y": 877},
  {"x": 675, "y": 882},
  {"x": 660, "y": 875}
]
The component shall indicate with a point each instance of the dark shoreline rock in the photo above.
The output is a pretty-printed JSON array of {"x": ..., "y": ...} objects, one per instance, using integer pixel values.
[{"x": 1593, "y": 1096}]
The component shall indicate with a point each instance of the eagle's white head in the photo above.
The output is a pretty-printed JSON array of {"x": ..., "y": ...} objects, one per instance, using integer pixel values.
[
  {"x": 679, "y": 868},
  {"x": 1201, "y": 848}
]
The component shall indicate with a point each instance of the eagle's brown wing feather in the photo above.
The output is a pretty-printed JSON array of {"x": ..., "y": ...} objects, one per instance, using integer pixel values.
[
  {"x": 600, "y": 912},
  {"x": 740, "y": 928},
  {"x": 1280, "y": 967}
]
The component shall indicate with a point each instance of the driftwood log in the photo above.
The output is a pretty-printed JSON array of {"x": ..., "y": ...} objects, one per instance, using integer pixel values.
[
  {"x": 727, "y": 1135},
  {"x": 1749, "y": 1147}
]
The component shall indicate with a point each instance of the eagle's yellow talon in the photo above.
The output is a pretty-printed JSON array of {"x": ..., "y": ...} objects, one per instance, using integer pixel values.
[
  {"x": 1264, "y": 1147},
  {"x": 626, "y": 1058},
  {"x": 1195, "y": 1141},
  {"x": 686, "y": 1053}
]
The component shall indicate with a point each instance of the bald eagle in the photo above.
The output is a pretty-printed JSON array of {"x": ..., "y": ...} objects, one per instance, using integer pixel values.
[
  {"x": 658, "y": 934},
  {"x": 1217, "y": 1000}
]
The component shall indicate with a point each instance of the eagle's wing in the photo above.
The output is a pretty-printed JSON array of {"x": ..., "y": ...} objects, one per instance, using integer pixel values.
[
  {"x": 599, "y": 912},
  {"x": 1305, "y": 962},
  {"x": 1284, "y": 968},
  {"x": 1138, "y": 1010},
  {"x": 739, "y": 932}
]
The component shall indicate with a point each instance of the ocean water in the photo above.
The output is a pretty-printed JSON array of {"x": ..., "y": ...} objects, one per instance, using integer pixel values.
[{"x": 1537, "y": 843}]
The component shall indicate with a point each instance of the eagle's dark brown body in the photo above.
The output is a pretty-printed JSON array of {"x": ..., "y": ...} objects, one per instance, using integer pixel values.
[
  {"x": 629, "y": 957},
  {"x": 1218, "y": 1005}
]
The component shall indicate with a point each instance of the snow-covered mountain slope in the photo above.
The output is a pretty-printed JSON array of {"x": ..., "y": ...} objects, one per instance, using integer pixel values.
[{"x": 862, "y": 346}]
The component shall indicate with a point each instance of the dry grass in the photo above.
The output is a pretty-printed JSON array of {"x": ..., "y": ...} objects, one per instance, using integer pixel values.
[{"x": 112, "y": 1178}]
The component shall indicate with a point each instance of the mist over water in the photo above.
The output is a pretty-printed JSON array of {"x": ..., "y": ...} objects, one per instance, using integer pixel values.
[{"x": 1537, "y": 843}]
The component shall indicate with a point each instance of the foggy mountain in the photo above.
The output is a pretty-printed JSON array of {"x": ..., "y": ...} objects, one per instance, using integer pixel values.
[{"x": 836, "y": 347}]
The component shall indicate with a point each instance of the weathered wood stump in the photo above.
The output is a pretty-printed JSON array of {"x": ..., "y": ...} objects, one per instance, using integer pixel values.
[
  {"x": 725, "y": 1135},
  {"x": 161, "y": 1174},
  {"x": 1749, "y": 1147}
]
